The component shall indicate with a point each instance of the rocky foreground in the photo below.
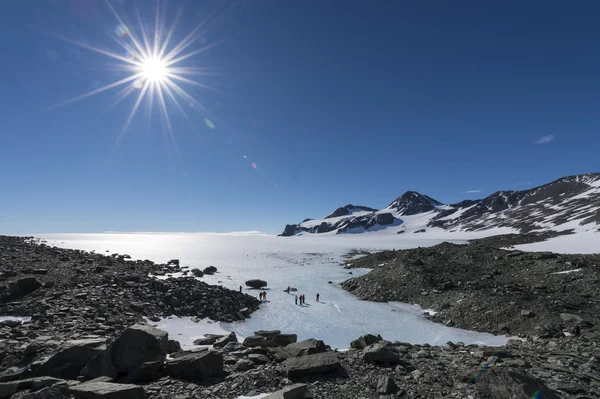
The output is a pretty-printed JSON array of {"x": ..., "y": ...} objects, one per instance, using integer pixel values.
[{"x": 88, "y": 338}]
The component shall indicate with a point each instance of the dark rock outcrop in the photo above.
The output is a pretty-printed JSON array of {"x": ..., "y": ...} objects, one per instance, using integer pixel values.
[
  {"x": 311, "y": 364},
  {"x": 256, "y": 283},
  {"x": 195, "y": 366}
]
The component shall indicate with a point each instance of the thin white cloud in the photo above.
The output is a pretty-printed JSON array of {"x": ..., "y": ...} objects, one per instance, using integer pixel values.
[
  {"x": 471, "y": 192},
  {"x": 545, "y": 139}
]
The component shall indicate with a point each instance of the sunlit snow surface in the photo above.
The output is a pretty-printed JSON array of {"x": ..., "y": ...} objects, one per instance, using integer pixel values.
[{"x": 307, "y": 263}]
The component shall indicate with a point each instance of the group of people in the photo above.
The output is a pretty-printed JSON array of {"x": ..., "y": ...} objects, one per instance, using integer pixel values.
[
  {"x": 263, "y": 296},
  {"x": 302, "y": 298}
]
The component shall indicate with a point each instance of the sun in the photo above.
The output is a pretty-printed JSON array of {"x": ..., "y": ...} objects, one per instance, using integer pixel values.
[{"x": 154, "y": 69}]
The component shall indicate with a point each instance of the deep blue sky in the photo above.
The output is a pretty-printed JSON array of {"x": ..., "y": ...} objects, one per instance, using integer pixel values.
[{"x": 335, "y": 102}]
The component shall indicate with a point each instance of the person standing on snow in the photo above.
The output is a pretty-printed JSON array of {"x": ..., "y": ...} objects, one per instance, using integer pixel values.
[
  {"x": 296, "y": 299},
  {"x": 318, "y": 297},
  {"x": 240, "y": 289}
]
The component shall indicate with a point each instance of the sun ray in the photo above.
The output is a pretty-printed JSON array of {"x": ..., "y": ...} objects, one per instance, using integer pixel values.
[
  {"x": 154, "y": 62},
  {"x": 192, "y": 82},
  {"x": 192, "y": 53},
  {"x": 99, "y": 90},
  {"x": 135, "y": 107},
  {"x": 97, "y": 50},
  {"x": 135, "y": 42}
]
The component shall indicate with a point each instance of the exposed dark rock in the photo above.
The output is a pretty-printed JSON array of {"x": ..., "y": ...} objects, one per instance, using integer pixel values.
[
  {"x": 221, "y": 342},
  {"x": 68, "y": 361},
  {"x": 311, "y": 364},
  {"x": 365, "y": 340},
  {"x": 197, "y": 272},
  {"x": 23, "y": 286},
  {"x": 306, "y": 347},
  {"x": 107, "y": 390},
  {"x": 256, "y": 283},
  {"x": 210, "y": 270},
  {"x": 195, "y": 366},
  {"x": 382, "y": 352},
  {"x": 502, "y": 384},
  {"x": 295, "y": 391},
  {"x": 386, "y": 385}
]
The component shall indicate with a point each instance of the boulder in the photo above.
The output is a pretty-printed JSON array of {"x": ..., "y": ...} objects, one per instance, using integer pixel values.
[
  {"x": 221, "y": 342},
  {"x": 197, "y": 272},
  {"x": 70, "y": 358},
  {"x": 107, "y": 390},
  {"x": 278, "y": 354},
  {"x": 54, "y": 392},
  {"x": 253, "y": 340},
  {"x": 381, "y": 352},
  {"x": 311, "y": 364},
  {"x": 256, "y": 283},
  {"x": 23, "y": 286},
  {"x": 284, "y": 339},
  {"x": 267, "y": 333},
  {"x": 173, "y": 346},
  {"x": 7, "y": 389},
  {"x": 365, "y": 340},
  {"x": 146, "y": 371},
  {"x": 135, "y": 346},
  {"x": 258, "y": 358},
  {"x": 210, "y": 270},
  {"x": 243, "y": 365},
  {"x": 195, "y": 366},
  {"x": 295, "y": 391},
  {"x": 386, "y": 385},
  {"x": 306, "y": 347},
  {"x": 505, "y": 383},
  {"x": 138, "y": 344},
  {"x": 208, "y": 339}
]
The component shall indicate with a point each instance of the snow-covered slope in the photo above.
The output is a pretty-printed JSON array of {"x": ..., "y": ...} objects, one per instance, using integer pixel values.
[{"x": 570, "y": 203}]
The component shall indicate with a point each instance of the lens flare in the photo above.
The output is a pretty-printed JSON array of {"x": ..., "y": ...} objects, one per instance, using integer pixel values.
[
  {"x": 209, "y": 123},
  {"x": 155, "y": 66}
]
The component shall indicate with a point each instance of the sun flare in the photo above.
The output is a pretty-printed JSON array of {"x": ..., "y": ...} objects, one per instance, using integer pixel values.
[
  {"x": 154, "y": 69},
  {"x": 157, "y": 69}
]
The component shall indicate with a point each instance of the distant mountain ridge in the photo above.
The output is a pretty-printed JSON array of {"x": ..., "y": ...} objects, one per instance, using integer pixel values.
[{"x": 568, "y": 203}]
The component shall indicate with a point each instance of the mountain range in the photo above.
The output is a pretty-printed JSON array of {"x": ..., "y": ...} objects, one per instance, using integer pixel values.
[{"x": 568, "y": 204}]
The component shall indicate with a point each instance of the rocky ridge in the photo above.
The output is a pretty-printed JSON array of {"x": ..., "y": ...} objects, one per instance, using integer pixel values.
[{"x": 565, "y": 204}]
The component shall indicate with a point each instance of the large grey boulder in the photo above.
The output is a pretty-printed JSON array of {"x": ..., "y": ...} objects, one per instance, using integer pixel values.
[
  {"x": 7, "y": 389},
  {"x": 311, "y": 364},
  {"x": 23, "y": 286},
  {"x": 253, "y": 340},
  {"x": 506, "y": 383},
  {"x": 70, "y": 358},
  {"x": 365, "y": 340},
  {"x": 295, "y": 391},
  {"x": 136, "y": 351},
  {"x": 382, "y": 352},
  {"x": 221, "y": 342},
  {"x": 138, "y": 344},
  {"x": 107, "y": 390},
  {"x": 306, "y": 347},
  {"x": 195, "y": 366},
  {"x": 256, "y": 283},
  {"x": 284, "y": 339},
  {"x": 208, "y": 339}
]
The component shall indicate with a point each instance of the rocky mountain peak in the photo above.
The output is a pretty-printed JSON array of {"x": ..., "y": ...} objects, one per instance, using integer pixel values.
[
  {"x": 412, "y": 202},
  {"x": 349, "y": 209}
]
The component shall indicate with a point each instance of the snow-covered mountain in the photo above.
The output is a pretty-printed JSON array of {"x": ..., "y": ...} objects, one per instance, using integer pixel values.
[{"x": 569, "y": 203}]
